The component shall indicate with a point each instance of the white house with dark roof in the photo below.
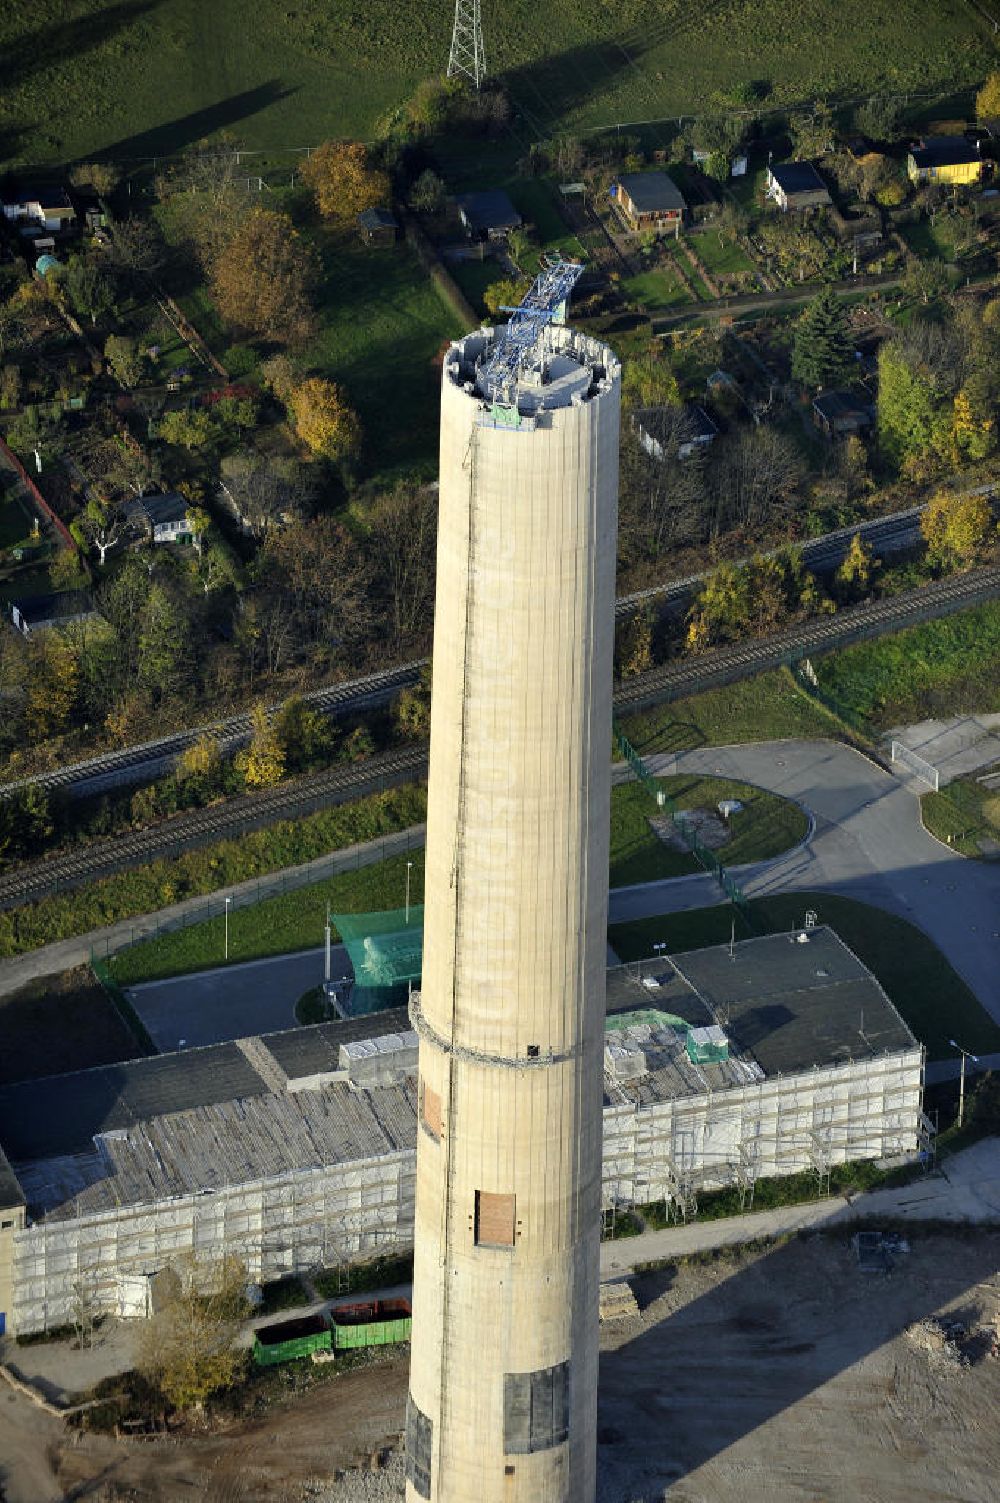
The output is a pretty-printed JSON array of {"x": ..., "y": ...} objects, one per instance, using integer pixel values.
[
  {"x": 796, "y": 185},
  {"x": 35, "y": 613},
  {"x": 35, "y": 206}
]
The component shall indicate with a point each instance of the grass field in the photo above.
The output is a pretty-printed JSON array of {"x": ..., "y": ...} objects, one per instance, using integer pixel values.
[
  {"x": 15, "y": 525},
  {"x": 768, "y": 708},
  {"x": 935, "y": 1002},
  {"x": 930, "y": 241},
  {"x": 721, "y": 260},
  {"x": 656, "y": 291},
  {"x": 141, "y": 78},
  {"x": 473, "y": 277},
  {"x": 275, "y": 926},
  {"x": 943, "y": 667},
  {"x": 766, "y": 826},
  {"x": 208, "y": 869},
  {"x": 26, "y": 581},
  {"x": 382, "y": 325},
  {"x": 965, "y": 815},
  {"x": 293, "y": 921}
]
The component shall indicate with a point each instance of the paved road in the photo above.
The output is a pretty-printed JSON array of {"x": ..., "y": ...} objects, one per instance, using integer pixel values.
[
  {"x": 965, "y": 1189},
  {"x": 868, "y": 844},
  {"x": 231, "y": 1002}
]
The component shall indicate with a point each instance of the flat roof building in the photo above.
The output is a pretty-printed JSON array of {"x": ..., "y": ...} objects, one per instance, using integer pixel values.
[{"x": 298, "y": 1148}]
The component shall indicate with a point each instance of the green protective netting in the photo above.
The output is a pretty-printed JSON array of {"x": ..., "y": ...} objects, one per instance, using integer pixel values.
[
  {"x": 706, "y": 1051},
  {"x": 650, "y": 1016},
  {"x": 386, "y": 953}
]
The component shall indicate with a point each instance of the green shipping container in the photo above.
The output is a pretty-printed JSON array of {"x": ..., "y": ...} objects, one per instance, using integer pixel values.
[
  {"x": 291, "y": 1339},
  {"x": 374, "y": 1323}
]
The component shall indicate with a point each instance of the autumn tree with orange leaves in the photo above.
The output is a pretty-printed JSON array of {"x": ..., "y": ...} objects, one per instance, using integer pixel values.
[
  {"x": 345, "y": 180},
  {"x": 323, "y": 419},
  {"x": 263, "y": 276}
]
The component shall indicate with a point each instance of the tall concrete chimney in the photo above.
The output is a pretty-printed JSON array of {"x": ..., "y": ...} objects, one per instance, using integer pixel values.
[{"x": 503, "y": 1376}]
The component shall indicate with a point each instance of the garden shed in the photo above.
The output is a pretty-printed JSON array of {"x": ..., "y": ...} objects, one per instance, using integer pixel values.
[
  {"x": 796, "y": 185},
  {"x": 378, "y": 227},
  {"x": 649, "y": 201},
  {"x": 488, "y": 215},
  {"x": 945, "y": 159}
]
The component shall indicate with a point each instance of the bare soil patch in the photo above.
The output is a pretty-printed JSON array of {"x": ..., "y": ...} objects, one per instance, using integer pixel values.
[
  {"x": 283, "y": 1456},
  {"x": 710, "y": 828},
  {"x": 770, "y": 1377},
  {"x": 748, "y": 1377}
]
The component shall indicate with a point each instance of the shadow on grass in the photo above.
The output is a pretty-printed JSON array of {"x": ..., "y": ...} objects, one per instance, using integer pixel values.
[
  {"x": 67, "y": 41},
  {"x": 175, "y": 135},
  {"x": 546, "y": 90}
]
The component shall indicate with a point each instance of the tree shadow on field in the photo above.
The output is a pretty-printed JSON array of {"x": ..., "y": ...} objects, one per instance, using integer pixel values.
[
  {"x": 774, "y": 1333},
  {"x": 12, "y": 133},
  {"x": 67, "y": 41},
  {"x": 175, "y": 135}
]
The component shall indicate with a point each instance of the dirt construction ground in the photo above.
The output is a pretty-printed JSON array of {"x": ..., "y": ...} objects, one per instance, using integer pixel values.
[{"x": 779, "y": 1376}]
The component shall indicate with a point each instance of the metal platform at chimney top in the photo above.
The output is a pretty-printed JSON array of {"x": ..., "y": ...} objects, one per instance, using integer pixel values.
[{"x": 539, "y": 307}]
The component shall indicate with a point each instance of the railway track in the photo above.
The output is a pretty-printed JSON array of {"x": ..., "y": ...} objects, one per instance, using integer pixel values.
[
  {"x": 75, "y": 868},
  {"x": 153, "y": 759},
  {"x": 891, "y": 534},
  {"x": 725, "y": 665},
  {"x": 341, "y": 784}
]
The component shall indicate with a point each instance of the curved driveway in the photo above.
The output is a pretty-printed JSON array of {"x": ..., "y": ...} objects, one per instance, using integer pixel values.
[{"x": 868, "y": 844}]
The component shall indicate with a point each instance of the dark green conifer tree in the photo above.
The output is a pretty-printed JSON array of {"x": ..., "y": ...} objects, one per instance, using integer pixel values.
[{"x": 823, "y": 353}]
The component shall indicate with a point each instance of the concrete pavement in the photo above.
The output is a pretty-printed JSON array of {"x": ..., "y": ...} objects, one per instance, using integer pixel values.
[
  {"x": 957, "y": 746},
  {"x": 868, "y": 844},
  {"x": 210, "y": 1007},
  {"x": 966, "y": 1188}
]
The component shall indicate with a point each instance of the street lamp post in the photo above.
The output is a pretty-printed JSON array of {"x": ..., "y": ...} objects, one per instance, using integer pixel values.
[
  {"x": 409, "y": 868},
  {"x": 228, "y": 901},
  {"x": 966, "y": 1054}
]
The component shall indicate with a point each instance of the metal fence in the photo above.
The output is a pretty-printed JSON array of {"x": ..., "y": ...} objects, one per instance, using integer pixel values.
[
  {"x": 706, "y": 858},
  {"x": 218, "y": 905},
  {"x": 917, "y": 764}
]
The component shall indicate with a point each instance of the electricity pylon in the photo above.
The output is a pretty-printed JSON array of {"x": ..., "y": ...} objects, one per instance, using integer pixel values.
[{"x": 467, "y": 57}]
